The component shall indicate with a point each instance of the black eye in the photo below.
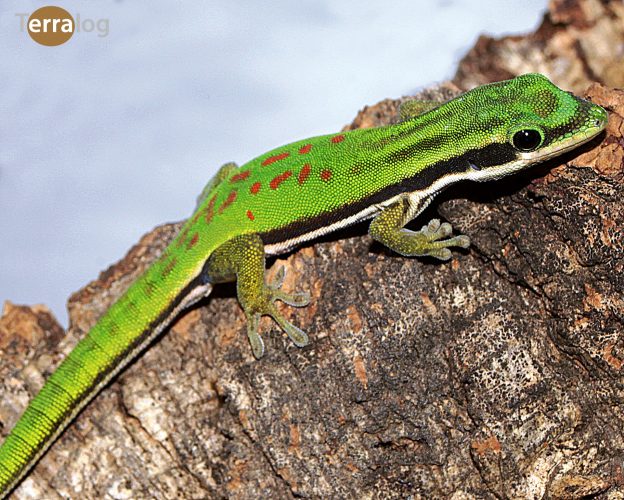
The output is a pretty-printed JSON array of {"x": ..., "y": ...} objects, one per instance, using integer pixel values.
[{"x": 526, "y": 139}]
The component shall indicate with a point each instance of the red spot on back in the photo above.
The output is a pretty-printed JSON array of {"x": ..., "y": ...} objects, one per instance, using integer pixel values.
[
  {"x": 241, "y": 176},
  {"x": 326, "y": 175},
  {"x": 255, "y": 187},
  {"x": 274, "y": 158},
  {"x": 228, "y": 201},
  {"x": 250, "y": 215},
  {"x": 210, "y": 209},
  {"x": 193, "y": 241},
  {"x": 276, "y": 181},
  {"x": 182, "y": 237},
  {"x": 304, "y": 174},
  {"x": 338, "y": 138},
  {"x": 305, "y": 149},
  {"x": 169, "y": 267}
]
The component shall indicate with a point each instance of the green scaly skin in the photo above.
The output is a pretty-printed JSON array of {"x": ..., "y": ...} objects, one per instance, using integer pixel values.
[{"x": 298, "y": 192}]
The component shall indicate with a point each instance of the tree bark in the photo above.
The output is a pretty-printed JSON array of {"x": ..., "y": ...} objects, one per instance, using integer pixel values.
[{"x": 496, "y": 375}]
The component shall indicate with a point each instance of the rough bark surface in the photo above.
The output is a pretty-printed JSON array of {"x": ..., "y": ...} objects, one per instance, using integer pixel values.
[
  {"x": 497, "y": 375},
  {"x": 578, "y": 42}
]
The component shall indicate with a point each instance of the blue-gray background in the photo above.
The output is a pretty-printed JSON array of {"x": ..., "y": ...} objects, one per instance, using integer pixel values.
[{"x": 106, "y": 136}]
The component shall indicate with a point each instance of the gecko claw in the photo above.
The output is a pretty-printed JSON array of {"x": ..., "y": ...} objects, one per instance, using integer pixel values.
[{"x": 462, "y": 241}]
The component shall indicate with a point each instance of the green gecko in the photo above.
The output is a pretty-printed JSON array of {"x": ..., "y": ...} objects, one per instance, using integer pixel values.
[{"x": 293, "y": 194}]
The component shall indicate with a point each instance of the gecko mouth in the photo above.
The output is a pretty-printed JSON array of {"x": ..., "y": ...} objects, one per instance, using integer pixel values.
[{"x": 566, "y": 144}]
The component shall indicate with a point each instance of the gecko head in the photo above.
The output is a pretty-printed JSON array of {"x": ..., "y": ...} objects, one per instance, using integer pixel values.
[{"x": 525, "y": 121}]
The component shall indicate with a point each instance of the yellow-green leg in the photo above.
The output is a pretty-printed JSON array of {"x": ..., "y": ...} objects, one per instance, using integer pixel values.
[
  {"x": 388, "y": 228},
  {"x": 242, "y": 259}
]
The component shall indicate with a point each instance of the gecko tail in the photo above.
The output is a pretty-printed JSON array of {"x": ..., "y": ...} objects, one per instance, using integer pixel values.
[{"x": 89, "y": 367}]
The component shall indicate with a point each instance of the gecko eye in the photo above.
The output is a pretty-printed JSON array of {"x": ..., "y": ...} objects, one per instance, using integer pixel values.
[{"x": 526, "y": 139}]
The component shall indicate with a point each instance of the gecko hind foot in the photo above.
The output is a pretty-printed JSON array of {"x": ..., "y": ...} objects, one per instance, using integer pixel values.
[
  {"x": 273, "y": 294},
  {"x": 242, "y": 257}
]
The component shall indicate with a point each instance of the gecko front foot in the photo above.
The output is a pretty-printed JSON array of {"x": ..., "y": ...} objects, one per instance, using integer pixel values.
[
  {"x": 435, "y": 244},
  {"x": 432, "y": 240}
]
